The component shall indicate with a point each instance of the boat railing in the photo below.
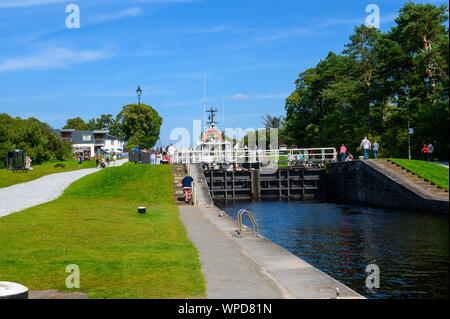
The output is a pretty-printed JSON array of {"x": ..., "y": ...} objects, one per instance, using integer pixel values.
[{"x": 289, "y": 156}]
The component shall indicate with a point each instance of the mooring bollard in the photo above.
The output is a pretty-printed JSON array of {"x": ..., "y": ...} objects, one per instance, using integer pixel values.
[
  {"x": 12, "y": 290},
  {"x": 141, "y": 210}
]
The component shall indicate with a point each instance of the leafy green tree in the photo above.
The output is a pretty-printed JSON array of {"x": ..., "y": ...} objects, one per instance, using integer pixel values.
[
  {"x": 270, "y": 121},
  {"x": 38, "y": 139},
  {"x": 362, "y": 91},
  {"x": 149, "y": 123},
  {"x": 77, "y": 124}
]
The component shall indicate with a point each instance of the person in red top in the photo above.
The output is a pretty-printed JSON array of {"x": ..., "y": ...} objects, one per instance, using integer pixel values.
[
  {"x": 425, "y": 152},
  {"x": 343, "y": 151}
]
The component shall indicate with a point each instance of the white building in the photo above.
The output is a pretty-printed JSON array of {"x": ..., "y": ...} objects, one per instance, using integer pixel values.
[
  {"x": 91, "y": 143},
  {"x": 113, "y": 144}
]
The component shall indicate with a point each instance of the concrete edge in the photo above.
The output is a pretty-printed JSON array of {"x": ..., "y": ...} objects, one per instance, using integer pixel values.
[{"x": 271, "y": 278}]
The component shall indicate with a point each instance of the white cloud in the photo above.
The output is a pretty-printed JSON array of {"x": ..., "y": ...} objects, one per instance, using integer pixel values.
[
  {"x": 52, "y": 58},
  {"x": 239, "y": 97},
  {"x": 206, "y": 30},
  {"x": 26, "y": 3},
  {"x": 127, "y": 13}
]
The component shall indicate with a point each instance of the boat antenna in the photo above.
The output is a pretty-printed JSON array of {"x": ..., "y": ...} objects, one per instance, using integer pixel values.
[
  {"x": 204, "y": 99},
  {"x": 223, "y": 114}
]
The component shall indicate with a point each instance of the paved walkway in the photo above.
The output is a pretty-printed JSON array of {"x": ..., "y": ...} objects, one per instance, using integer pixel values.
[
  {"x": 228, "y": 273},
  {"x": 47, "y": 188},
  {"x": 252, "y": 267}
]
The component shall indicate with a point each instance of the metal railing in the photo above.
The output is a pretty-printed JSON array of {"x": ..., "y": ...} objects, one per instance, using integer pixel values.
[
  {"x": 240, "y": 225},
  {"x": 297, "y": 155}
]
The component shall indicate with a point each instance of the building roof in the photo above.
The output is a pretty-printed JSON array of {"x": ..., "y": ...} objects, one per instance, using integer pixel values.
[{"x": 77, "y": 136}]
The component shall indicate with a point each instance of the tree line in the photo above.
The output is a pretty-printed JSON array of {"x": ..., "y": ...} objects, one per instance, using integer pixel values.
[
  {"x": 35, "y": 137},
  {"x": 42, "y": 143},
  {"x": 370, "y": 87}
]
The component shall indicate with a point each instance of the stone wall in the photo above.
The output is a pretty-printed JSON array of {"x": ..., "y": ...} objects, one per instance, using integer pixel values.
[{"x": 360, "y": 182}]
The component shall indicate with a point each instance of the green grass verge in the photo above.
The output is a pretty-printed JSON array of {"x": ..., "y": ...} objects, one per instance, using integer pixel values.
[
  {"x": 95, "y": 225},
  {"x": 8, "y": 178},
  {"x": 433, "y": 172}
]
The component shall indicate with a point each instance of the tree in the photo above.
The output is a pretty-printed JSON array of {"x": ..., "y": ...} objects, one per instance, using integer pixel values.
[
  {"x": 38, "y": 139},
  {"x": 271, "y": 121},
  {"x": 361, "y": 91},
  {"x": 150, "y": 123},
  {"x": 76, "y": 124}
]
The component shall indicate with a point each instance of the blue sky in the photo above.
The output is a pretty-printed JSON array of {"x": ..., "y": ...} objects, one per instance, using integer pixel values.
[{"x": 252, "y": 52}]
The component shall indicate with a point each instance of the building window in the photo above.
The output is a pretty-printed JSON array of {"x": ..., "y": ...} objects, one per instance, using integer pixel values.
[{"x": 86, "y": 137}]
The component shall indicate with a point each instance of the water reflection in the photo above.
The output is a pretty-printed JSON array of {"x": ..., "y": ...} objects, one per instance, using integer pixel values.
[{"x": 411, "y": 249}]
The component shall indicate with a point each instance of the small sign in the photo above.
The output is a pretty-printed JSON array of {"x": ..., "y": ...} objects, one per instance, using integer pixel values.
[{"x": 411, "y": 131}]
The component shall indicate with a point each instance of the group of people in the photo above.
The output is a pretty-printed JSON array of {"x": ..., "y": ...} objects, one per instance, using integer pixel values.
[
  {"x": 100, "y": 161},
  {"x": 365, "y": 146},
  {"x": 163, "y": 155},
  {"x": 427, "y": 152},
  {"x": 105, "y": 160}
]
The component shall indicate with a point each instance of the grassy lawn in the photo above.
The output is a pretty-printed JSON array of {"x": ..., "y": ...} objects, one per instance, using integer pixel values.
[
  {"x": 434, "y": 173},
  {"x": 95, "y": 225},
  {"x": 8, "y": 178}
]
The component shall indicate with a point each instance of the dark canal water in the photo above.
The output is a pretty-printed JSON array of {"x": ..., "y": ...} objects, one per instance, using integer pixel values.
[{"x": 410, "y": 249}]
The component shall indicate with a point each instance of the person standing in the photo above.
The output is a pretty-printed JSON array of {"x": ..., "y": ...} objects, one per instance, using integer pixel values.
[
  {"x": 171, "y": 150},
  {"x": 430, "y": 152},
  {"x": 343, "y": 152},
  {"x": 114, "y": 159},
  {"x": 375, "y": 148},
  {"x": 153, "y": 157},
  {"x": 108, "y": 158},
  {"x": 158, "y": 158},
  {"x": 97, "y": 162},
  {"x": 365, "y": 146},
  {"x": 80, "y": 161},
  {"x": 425, "y": 152}
]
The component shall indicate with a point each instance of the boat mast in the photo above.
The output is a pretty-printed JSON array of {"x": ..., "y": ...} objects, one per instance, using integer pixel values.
[{"x": 204, "y": 100}]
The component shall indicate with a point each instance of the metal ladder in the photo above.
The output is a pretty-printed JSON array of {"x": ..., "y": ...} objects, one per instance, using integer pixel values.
[{"x": 241, "y": 227}]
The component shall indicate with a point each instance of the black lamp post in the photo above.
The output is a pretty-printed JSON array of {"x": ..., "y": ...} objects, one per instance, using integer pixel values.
[
  {"x": 407, "y": 91},
  {"x": 139, "y": 93}
]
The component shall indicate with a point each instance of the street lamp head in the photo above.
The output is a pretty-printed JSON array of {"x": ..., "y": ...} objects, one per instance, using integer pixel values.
[{"x": 139, "y": 92}]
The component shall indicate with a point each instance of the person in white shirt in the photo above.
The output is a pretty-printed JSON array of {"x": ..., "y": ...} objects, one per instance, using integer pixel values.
[
  {"x": 114, "y": 158},
  {"x": 365, "y": 146},
  {"x": 171, "y": 150}
]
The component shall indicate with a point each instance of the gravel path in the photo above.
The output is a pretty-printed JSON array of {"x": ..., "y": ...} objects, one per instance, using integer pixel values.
[{"x": 47, "y": 188}]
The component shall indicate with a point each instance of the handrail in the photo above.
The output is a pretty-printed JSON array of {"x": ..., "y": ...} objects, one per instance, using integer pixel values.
[
  {"x": 240, "y": 226},
  {"x": 314, "y": 154}
]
